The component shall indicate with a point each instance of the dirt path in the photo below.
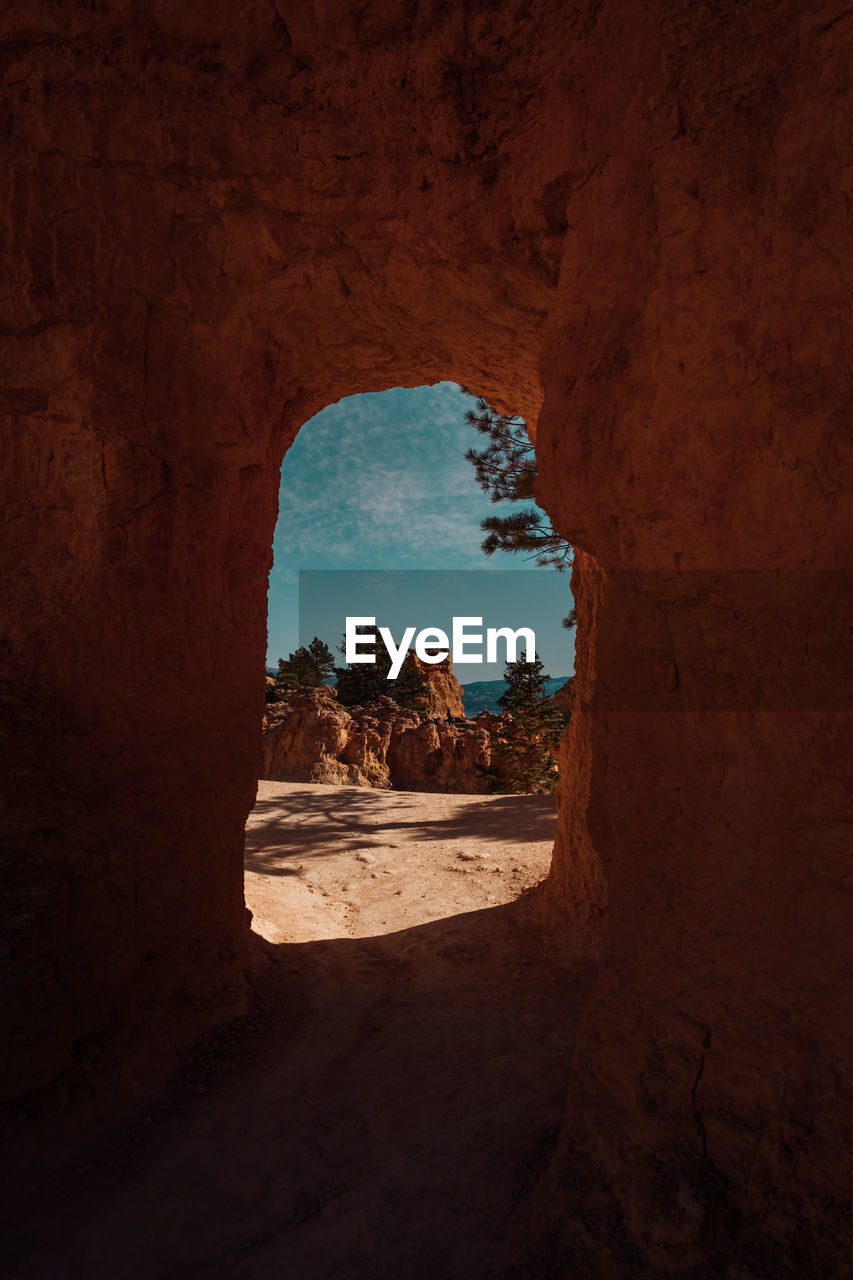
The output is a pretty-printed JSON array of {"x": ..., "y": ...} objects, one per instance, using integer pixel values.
[{"x": 396, "y": 1090}]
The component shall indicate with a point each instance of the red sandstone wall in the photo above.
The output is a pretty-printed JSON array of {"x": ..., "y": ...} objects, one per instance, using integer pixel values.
[
  {"x": 689, "y": 439},
  {"x": 181, "y": 289},
  {"x": 221, "y": 218}
]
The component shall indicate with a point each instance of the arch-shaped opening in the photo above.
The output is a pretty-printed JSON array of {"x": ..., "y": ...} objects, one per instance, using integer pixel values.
[
  {"x": 381, "y": 510},
  {"x": 437, "y": 1029}
]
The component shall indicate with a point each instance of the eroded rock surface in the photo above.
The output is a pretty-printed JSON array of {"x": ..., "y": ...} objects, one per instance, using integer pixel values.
[{"x": 312, "y": 738}]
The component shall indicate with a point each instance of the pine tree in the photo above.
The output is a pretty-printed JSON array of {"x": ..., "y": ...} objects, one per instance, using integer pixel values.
[
  {"x": 532, "y": 726},
  {"x": 410, "y": 690},
  {"x": 321, "y": 659},
  {"x": 526, "y": 686},
  {"x": 364, "y": 681},
  {"x": 506, "y": 471},
  {"x": 307, "y": 666}
]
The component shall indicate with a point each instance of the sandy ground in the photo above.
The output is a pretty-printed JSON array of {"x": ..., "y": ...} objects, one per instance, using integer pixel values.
[
  {"x": 389, "y": 1102},
  {"x": 357, "y": 862}
]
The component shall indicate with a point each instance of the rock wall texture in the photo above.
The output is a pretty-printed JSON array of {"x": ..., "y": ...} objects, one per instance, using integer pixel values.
[
  {"x": 312, "y": 738},
  {"x": 628, "y": 222}
]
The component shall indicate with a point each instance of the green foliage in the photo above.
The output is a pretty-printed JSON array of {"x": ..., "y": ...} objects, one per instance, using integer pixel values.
[
  {"x": 506, "y": 471},
  {"x": 362, "y": 683},
  {"x": 506, "y": 468},
  {"x": 365, "y": 682},
  {"x": 308, "y": 666},
  {"x": 526, "y": 684},
  {"x": 410, "y": 690},
  {"x": 322, "y": 659},
  {"x": 533, "y": 725}
]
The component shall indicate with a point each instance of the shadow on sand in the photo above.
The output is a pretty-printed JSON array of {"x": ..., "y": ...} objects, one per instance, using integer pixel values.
[{"x": 307, "y": 823}]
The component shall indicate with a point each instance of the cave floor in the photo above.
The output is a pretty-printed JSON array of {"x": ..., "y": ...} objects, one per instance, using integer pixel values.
[{"x": 391, "y": 1098}]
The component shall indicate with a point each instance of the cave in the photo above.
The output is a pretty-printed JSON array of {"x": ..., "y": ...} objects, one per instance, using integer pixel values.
[{"x": 628, "y": 224}]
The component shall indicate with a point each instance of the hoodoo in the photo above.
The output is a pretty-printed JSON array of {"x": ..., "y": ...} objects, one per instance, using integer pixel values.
[{"x": 628, "y": 223}]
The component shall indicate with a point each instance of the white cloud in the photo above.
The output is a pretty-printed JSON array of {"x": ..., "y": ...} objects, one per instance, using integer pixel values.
[{"x": 382, "y": 480}]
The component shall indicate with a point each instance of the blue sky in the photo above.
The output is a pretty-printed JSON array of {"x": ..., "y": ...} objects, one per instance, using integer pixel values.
[{"x": 381, "y": 482}]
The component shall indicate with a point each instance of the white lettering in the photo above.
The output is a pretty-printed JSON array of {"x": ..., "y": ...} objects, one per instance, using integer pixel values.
[
  {"x": 425, "y": 642},
  {"x": 396, "y": 655},
  {"x": 461, "y": 637},
  {"x": 353, "y": 639},
  {"x": 511, "y": 638},
  {"x": 432, "y": 645}
]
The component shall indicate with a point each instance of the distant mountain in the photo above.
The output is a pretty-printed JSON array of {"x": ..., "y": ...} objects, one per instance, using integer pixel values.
[{"x": 483, "y": 695}]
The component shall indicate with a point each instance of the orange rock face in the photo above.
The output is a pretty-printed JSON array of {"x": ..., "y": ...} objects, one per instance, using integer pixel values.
[
  {"x": 314, "y": 739},
  {"x": 445, "y": 691},
  {"x": 629, "y": 224}
]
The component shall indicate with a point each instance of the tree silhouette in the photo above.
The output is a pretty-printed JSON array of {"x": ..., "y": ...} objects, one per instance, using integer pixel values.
[
  {"x": 309, "y": 665},
  {"x": 506, "y": 471}
]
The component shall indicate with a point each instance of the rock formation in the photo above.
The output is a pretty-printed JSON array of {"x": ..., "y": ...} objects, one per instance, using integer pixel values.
[
  {"x": 630, "y": 224},
  {"x": 312, "y": 738},
  {"x": 445, "y": 691}
]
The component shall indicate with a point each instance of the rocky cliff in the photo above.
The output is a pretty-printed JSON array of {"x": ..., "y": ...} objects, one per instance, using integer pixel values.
[{"x": 312, "y": 738}]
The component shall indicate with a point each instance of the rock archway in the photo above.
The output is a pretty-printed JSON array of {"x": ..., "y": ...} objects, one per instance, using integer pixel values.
[{"x": 628, "y": 225}]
